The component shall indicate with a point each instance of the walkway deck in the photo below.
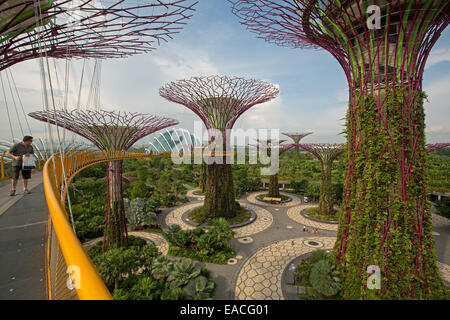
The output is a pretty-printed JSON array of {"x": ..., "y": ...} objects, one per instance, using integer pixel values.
[{"x": 23, "y": 225}]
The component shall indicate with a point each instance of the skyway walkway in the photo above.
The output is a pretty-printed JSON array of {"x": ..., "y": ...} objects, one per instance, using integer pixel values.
[{"x": 23, "y": 227}]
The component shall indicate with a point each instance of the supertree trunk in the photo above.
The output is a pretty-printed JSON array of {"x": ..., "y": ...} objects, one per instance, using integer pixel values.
[
  {"x": 274, "y": 191},
  {"x": 386, "y": 219},
  {"x": 219, "y": 191},
  {"x": 202, "y": 180},
  {"x": 115, "y": 226},
  {"x": 326, "y": 198}
]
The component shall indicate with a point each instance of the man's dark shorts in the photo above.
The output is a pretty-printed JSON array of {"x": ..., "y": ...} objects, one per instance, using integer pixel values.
[{"x": 26, "y": 174}]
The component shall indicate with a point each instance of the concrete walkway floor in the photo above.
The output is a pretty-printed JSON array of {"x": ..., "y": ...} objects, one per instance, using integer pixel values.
[{"x": 23, "y": 227}]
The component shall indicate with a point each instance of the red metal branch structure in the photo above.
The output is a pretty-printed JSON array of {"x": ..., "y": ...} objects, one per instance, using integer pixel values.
[
  {"x": 436, "y": 146},
  {"x": 219, "y": 101},
  {"x": 296, "y": 137},
  {"x": 87, "y": 29},
  {"x": 326, "y": 154},
  {"x": 270, "y": 146},
  {"x": 382, "y": 46},
  {"x": 109, "y": 130}
]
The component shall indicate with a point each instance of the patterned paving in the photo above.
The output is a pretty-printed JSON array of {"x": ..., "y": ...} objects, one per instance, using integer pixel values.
[
  {"x": 190, "y": 193},
  {"x": 440, "y": 221},
  {"x": 445, "y": 271},
  {"x": 260, "y": 276},
  {"x": 294, "y": 214},
  {"x": 263, "y": 219},
  {"x": 158, "y": 239},
  {"x": 295, "y": 200}
]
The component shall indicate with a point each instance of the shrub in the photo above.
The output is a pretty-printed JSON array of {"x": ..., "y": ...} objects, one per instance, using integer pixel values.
[
  {"x": 199, "y": 288},
  {"x": 114, "y": 265},
  {"x": 324, "y": 278},
  {"x": 212, "y": 246},
  {"x": 140, "y": 212},
  {"x": 443, "y": 207},
  {"x": 140, "y": 190},
  {"x": 318, "y": 274}
]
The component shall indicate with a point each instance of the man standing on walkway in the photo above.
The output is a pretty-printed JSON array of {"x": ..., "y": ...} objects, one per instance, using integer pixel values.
[{"x": 17, "y": 152}]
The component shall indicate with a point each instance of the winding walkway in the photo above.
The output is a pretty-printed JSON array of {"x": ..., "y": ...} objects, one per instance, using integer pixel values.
[
  {"x": 158, "y": 239},
  {"x": 295, "y": 214},
  {"x": 263, "y": 219}
]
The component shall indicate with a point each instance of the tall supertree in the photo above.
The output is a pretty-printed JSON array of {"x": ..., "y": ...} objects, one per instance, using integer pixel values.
[
  {"x": 382, "y": 46},
  {"x": 326, "y": 154},
  {"x": 296, "y": 137},
  {"x": 110, "y": 131},
  {"x": 270, "y": 146},
  {"x": 94, "y": 29},
  {"x": 219, "y": 101}
]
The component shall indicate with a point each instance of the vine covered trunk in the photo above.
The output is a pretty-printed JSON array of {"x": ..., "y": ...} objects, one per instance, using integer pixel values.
[
  {"x": 274, "y": 191},
  {"x": 115, "y": 226},
  {"x": 326, "y": 197},
  {"x": 202, "y": 179},
  {"x": 385, "y": 226},
  {"x": 219, "y": 191}
]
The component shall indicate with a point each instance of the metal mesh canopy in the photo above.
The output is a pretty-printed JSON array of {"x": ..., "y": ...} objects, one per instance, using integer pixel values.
[
  {"x": 325, "y": 152},
  {"x": 94, "y": 29},
  {"x": 108, "y": 130},
  {"x": 296, "y": 136},
  {"x": 436, "y": 146},
  {"x": 219, "y": 100},
  {"x": 342, "y": 28},
  {"x": 273, "y": 144}
]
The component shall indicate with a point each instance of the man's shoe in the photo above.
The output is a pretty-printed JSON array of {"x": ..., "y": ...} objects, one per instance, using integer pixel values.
[
  {"x": 26, "y": 191},
  {"x": 12, "y": 193}
]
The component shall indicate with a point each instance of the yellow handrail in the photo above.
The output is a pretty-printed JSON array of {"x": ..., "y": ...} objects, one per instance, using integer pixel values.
[{"x": 90, "y": 285}]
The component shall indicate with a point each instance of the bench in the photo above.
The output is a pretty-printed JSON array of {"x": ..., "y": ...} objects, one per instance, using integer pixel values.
[{"x": 272, "y": 199}]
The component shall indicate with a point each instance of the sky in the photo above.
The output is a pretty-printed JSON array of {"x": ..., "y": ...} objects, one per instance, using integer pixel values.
[{"x": 313, "y": 89}]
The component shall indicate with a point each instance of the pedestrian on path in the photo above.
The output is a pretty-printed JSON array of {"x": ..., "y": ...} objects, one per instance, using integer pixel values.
[{"x": 17, "y": 152}]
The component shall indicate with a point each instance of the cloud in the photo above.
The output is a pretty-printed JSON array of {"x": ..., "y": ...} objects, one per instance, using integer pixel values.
[
  {"x": 437, "y": 111},
  {"x": 437, "y": 56}
]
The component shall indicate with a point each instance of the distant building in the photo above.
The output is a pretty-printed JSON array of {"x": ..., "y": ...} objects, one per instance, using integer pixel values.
[{"x": 178, "y": 139}]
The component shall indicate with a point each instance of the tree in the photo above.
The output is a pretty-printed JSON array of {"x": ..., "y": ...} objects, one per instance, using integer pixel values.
[
  {"x": 140, "y": 190},
  {"x": 219, "y": 101}
]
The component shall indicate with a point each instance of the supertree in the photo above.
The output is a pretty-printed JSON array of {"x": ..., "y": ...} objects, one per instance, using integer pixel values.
[
  {"x": 219, "y": 101},
  {"x": 383, "y": 46},
  {"x": 110, "y": 131},
  {"x": 326, "y": 154},
  {"x": 296, "y": 137},
  {"x": 431, "y": 147},
  {"x": 94, "y": 29},
  {"x": 270, "y": 146}
]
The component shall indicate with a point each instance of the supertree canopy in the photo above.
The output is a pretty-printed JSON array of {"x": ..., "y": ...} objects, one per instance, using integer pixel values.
[
  {"x": 296, "y": 137},
  {"x": 109, "y": 130},
  {"x": 326, "y": 154},
  {"x": 431, "y": 147},
  {"x": 219, "y": 101},
  {"x": 94, "y": 29},
  {"x": 271, "y": 146},
  {"x": 382, "y": 46}
]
